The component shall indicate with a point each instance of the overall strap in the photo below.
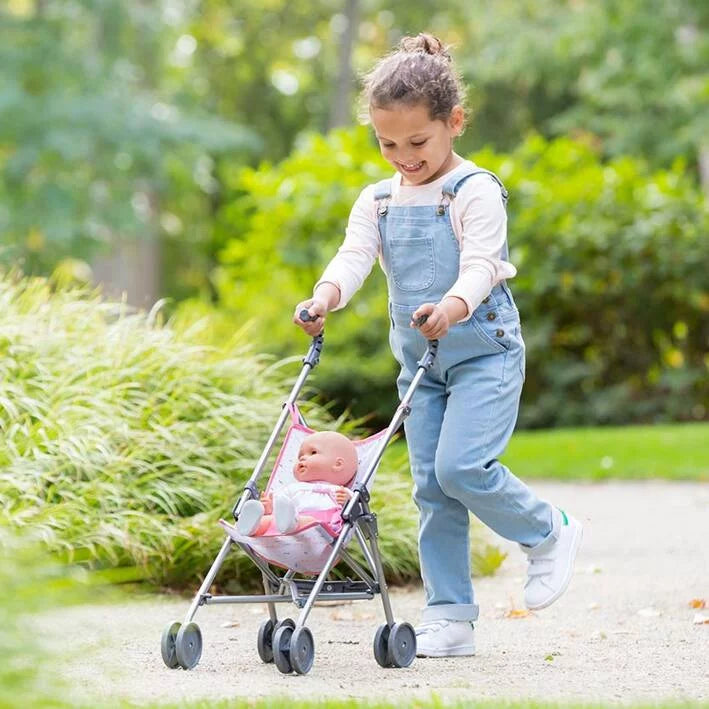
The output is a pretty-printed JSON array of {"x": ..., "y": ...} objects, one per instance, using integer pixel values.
[
  {"x": 382, "y": 189},
  {"x": 455, "y": 182},
  {"x": 382, "y": 195}
]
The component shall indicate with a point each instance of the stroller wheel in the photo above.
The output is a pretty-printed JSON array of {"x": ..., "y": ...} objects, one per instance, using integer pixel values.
[
  {"x": 402, "y": 645},
  {"x": 281, "y": 649},
  {"x": 286, "y": 621},
  {"x": 263, "y": 643},
  {"x": 167, "y": 645},
  {"x": 381, "y": 646},
  {"x": 302, "y": 650},
  {"x": 188, "y": 646}
]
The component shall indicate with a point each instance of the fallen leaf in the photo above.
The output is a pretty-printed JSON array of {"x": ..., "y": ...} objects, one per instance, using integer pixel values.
[
  {"x": 649, "y": 612},
  {"x": 230, "y": 624},
  {"x": 700, "y": 619},
  {"x": 593, "y": 606},
  {"x": 517, "y": 613},
  {"x": 697, "y": 603},
  {"x": 342, "y": 615}
]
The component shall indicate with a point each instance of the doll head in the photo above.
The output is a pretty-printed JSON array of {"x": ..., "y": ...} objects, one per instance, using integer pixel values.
[{"x": 326, "y": 456}]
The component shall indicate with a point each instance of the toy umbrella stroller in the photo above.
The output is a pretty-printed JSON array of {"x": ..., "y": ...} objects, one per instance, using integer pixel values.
[{"x": 310, "y": 551}]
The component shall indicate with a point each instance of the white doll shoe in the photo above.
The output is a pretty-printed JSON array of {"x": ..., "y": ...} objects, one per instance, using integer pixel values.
[
  {"x": 249, "y": 518},
  {"x": 284, "y": 514}
]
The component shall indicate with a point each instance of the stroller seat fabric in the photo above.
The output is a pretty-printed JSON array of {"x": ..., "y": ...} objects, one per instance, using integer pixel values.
[{"x": 305, "y": 551}]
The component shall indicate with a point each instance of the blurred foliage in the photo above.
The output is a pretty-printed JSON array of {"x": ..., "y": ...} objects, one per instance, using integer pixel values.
[
  {"x": 635, "y": 74},
  {"x": 121, "y": 118},
  {"x": 31, "y": 583},
  {"x": 99, "y": 143},
  {"x": 123, "y": 440},
  {"x": 611, "y": 286}
]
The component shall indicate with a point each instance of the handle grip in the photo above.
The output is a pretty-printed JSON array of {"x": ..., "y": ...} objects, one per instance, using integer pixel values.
[{"x": 305, "y": 316}]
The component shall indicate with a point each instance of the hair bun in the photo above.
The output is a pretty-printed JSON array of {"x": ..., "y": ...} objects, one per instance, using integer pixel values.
[{"x": 425, "y": 43}]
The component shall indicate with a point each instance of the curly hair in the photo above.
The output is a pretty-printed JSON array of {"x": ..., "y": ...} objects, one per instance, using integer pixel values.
[{"x": 419, "y": 71}]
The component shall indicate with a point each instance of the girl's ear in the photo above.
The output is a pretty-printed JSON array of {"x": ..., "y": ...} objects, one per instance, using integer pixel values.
[{"x": 456, "y": 121}]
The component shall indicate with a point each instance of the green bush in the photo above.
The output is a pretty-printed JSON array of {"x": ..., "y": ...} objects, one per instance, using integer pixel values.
[
  {"x": 611, "y": 259},
  {"x": 123, "y": 440}
]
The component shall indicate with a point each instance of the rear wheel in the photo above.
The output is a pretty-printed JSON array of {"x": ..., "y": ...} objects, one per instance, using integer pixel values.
[
  {"x": 281, "y": 649},
  {"x": 302, "y": 650},
  {"x": 264, "y": 640},
  {"x": 381, "y": 646},
  {"x": 402, "y": 645}
]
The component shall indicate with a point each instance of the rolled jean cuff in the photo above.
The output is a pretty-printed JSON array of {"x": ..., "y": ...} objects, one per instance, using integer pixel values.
[
  {"x": 451, "y": 611},
  {"x": 557, "y": 520}
]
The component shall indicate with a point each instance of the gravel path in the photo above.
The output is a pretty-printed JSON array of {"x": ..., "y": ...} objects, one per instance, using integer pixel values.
[{"x": 623, "y": 632}]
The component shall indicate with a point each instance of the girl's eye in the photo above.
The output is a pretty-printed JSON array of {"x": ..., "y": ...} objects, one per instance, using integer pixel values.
[
  {"x": 387, "y": 145},
  {"x": 418, "y": 145}
]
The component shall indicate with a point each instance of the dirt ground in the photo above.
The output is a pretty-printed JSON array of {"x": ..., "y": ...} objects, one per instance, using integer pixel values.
[{"x": 624, "y": 631}]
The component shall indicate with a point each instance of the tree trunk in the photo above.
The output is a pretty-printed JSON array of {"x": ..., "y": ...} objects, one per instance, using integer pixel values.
[
  {"x": 704, "y": 168},
  {"x": 341, "y": 112}
]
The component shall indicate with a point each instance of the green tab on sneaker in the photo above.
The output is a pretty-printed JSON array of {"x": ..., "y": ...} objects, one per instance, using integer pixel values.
[{"x": 566, "y": 519}]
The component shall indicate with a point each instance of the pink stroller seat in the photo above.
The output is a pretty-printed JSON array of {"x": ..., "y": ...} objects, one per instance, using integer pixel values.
[{"x": 307, "y": 550}]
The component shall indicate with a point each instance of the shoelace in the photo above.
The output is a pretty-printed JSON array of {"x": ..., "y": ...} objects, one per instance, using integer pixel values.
[{"x": 431, "y": 626}]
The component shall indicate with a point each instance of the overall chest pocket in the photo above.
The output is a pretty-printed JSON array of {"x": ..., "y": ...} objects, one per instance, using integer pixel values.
[{"x": 412, "y": 264}]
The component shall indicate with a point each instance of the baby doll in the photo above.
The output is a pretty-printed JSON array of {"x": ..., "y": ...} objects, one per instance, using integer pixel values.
[{"x": 327, "y": 461}]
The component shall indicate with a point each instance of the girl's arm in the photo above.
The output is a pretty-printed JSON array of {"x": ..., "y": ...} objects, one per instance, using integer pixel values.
[
  {"x": 480, "y": 221},
  {"x": 351, "y": 265}
]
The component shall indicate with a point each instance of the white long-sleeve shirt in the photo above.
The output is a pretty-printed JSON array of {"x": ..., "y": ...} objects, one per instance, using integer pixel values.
[{"x": 479, "y": 221}]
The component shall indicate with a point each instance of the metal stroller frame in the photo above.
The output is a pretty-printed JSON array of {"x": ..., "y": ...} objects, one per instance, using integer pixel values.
[{"x": 287, "y": 643}]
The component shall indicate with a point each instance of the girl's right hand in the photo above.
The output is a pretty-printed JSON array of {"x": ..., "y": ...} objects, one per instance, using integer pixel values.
[{"x": 316, "y": 308}]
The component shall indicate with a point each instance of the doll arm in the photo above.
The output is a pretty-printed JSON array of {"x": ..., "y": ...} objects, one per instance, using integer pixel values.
[{"x": 267, "y": 502}]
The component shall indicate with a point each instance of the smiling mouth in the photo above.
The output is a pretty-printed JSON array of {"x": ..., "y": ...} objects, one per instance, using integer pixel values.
[{"x": 411, "y": 167}]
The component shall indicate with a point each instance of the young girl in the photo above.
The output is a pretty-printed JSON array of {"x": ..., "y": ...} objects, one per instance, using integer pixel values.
[{"x": 438, "y": 227}]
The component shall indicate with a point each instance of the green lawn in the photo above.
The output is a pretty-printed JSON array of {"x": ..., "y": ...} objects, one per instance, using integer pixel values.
[{"x": 661, "y": 452}]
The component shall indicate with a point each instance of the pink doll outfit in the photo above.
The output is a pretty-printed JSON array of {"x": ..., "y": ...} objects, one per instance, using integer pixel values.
[{"x": 317, "y": 500}]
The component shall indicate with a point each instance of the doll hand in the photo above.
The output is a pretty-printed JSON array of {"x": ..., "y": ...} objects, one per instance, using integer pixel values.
[
  {"x": 267, "y": 502},
  {"x": 342, "y": 495},
  {"x": 437, "y": 323}
]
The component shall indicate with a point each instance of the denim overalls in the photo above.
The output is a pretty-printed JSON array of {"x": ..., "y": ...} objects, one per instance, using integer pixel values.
[{"x": 465, "y": 408}]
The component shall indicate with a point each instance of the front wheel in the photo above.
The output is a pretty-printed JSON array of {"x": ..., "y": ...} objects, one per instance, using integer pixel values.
[
  {"x": 188, "y": 646},
  {"x": 167, "y": 645}
]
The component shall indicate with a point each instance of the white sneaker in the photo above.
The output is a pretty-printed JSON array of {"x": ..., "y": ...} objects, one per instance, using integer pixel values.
[
  {"x": 445, "y": 638},
  {"x": 284, "y": 514},
  {"x": 249, "y": 517},
  {"x": 551, "y": 565}
]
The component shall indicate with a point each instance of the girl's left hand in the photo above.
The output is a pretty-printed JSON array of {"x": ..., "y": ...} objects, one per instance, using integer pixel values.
[{"x": 437, "y": 324}]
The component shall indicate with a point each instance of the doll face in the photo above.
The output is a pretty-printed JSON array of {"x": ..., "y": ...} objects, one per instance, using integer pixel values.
[
  {"x": 419, "y": 148},
  {"x": 326, "y": 457}
]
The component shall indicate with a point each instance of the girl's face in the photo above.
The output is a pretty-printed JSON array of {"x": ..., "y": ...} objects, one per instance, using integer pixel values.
[{"x": 419, "y": 148}]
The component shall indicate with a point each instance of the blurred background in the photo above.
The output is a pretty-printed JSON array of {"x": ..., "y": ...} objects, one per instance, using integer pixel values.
[{"x": 208, "y": 152}]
